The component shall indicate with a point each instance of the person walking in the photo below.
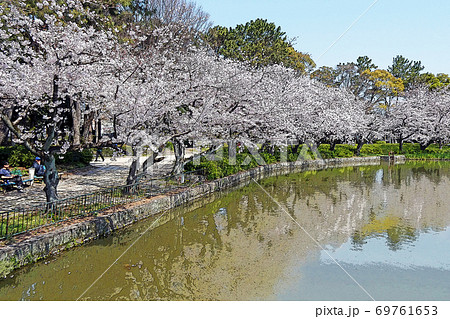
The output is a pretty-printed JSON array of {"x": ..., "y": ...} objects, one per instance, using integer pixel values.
[
  {"x": 99, "y": 153},
  {"x": 115, "y": 152}
]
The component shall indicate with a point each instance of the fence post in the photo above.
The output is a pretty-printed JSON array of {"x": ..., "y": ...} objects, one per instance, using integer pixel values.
[
  {"x": 56, "y": 211},
  {"x": 7, "y": 223}
]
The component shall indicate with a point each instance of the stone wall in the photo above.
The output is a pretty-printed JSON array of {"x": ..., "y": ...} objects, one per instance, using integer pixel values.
[{"x": 19, "y": 254}]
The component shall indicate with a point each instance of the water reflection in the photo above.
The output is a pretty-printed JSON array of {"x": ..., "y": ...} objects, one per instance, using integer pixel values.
[
  {"x": 419, "y": 271},
  {"x": 242, "y": 246}
]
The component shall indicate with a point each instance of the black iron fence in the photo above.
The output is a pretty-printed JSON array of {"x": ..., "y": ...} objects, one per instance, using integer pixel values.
[{"x": 21, "y": 220}]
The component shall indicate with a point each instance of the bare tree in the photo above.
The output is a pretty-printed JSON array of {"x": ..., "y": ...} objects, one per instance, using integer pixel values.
[{"x": 178, "y": 12}]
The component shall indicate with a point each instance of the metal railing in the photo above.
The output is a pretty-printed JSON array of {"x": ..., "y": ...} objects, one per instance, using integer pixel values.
[{"x": 22, "y": 220}]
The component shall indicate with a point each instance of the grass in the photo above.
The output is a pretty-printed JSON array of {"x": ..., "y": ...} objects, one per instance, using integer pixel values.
[
  {"x": 21, "y": 222},
  {"x": 13, "y": 223}
]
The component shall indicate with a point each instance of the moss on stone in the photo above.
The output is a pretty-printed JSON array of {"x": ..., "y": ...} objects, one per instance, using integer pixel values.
[{"x": 7, "y": 266}]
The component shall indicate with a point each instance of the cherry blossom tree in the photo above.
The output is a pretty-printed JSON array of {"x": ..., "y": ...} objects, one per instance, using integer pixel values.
[
  {"x": 422, "y": 116},
  {"x": 176, "y": 96},
  {"x": 47, "y": 68},
  {"x": 152, "y": 87},
  {"x": 293, "y": 107}
]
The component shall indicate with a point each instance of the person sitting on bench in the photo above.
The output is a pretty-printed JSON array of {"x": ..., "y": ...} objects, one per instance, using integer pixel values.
[
  {"x": 39, "y": 169},
  {"x": 5, "y": 174}
]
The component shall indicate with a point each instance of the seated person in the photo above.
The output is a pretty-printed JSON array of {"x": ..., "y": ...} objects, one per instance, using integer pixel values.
[
  {"x": 5, "y": 174},
  {"x": 39, "y": 169}
]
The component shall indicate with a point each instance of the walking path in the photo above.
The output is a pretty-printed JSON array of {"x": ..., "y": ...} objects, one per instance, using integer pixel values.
[{"x": 82, "y": 181}]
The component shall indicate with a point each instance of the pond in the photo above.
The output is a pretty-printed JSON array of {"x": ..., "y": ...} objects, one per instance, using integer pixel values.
[{"x": 353, "y": 233}]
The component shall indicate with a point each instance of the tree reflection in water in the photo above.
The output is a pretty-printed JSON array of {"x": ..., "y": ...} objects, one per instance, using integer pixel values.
[{"x": 238, "y": 245}]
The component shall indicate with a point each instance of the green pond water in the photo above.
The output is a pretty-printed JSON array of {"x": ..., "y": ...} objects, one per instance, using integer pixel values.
[{"x": 388, "y": 227}]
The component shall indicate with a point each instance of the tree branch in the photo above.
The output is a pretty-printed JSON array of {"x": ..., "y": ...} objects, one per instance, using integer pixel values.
[{"x": 11, "y": 127}]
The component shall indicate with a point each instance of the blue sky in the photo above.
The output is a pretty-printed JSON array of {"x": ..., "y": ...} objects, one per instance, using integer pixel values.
[{"x": 416, "y": 29}]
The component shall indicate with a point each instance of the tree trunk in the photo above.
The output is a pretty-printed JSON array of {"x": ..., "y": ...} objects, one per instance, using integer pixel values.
[
  {"x": 50, "y": 178},
  {"x": 99, "y": 130},
  {"x": 180, "y": 150},
  {"x": 267, "y": 147},
  {"x": 4, "y": 130},
  {"x": 4, "y": 133},
  {"x": 232, "y": 150},
  {"x": 76, "y": 116},
  {"x": 134, "y": 173},
  {"x": 359, "y": 147},
  {"x": 295, "y": 148},
  {"x": 134, "y": 169},
  {"x": 332, "y": 146},
  {"x": 423, "y": 146},
  {"x": 400, "y": 144},
  {"x": 87, "y": 127},
  {"x": 115, "y": 126}
]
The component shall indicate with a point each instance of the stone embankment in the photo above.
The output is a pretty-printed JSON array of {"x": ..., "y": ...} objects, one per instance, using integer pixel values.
[{"x": 41, "y": 246}]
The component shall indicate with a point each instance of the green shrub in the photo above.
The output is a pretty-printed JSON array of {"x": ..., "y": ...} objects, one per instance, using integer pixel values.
[
  {"x": 212, "y": 170},
  {"x": 86, "y": 156},
  {"x": 344, "y": 150},
  {"x": 325, "y": 152},
  {"x": 379, "y": 148},
  {"x": 221, "y": 167},
  {"x": 277, "y": 153},
  {"x": 371, "y": 150},
  {"x": 16, "y": 155},
  {"x": 20, "y": 156},
  {"x": 106, "y": 151},
  {"x": 4, "y": 153},
  {"x": 73, "y": 157},
  {"x": 228, "y": 169},
  {"x": 413, "y": 151},
  {"x": 269, "y": 158},
  {"x": 292, "y": 157}
]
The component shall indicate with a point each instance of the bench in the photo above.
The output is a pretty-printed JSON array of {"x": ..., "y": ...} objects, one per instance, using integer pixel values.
[
  {"x": 5, "y": 184},
  {"x": 28, "y": 181},
  {"x": 40, "y": 179},
  {"x": 32, "y": 178}
]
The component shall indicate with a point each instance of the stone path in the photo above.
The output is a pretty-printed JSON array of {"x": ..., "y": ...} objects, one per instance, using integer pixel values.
[{"x": 81, "y": 181}]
